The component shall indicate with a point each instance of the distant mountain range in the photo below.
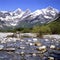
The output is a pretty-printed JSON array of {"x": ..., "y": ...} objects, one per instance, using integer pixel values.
[{"x": 19, "y": 18}]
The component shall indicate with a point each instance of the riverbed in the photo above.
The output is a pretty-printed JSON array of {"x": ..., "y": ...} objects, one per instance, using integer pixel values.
[{"x": 33, "y": 48}]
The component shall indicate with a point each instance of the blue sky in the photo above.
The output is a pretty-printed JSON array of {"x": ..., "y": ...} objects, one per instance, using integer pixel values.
[{"x": 28, "y": 4}]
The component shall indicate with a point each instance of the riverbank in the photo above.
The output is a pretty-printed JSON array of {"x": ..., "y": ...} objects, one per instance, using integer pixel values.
[
  {"x": 31, "y": 35},
  {"x": 52, "y": 36}
]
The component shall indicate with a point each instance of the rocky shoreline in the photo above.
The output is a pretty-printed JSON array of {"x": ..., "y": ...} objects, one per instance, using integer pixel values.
[{"x": 16, "y": 48}]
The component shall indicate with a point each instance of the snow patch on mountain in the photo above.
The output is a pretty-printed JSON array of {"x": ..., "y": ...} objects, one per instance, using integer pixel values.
[{"x": 12, "y": 18}]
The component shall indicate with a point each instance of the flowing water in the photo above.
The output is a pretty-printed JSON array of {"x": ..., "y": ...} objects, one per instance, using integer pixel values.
[{"x": 29, "y": 49}]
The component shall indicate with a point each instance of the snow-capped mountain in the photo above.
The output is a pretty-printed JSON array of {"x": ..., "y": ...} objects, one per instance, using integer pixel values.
[{"x": 19, "y": 18}]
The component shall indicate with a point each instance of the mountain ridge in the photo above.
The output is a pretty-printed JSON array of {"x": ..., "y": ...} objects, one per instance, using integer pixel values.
[{"x": 19, "y": 18}]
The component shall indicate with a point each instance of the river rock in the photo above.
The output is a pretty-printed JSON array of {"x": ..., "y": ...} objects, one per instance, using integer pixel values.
[
  {"x": 42, "y": 49},
  {"x": 52, "y": 47},
  {"x": 37, "y": 44},
  {"x": 50, "y": 58},
  {"x": 1, "y": 47},
  {"x": 34, "y": 54},
  {"x": 34, "y": 39}
]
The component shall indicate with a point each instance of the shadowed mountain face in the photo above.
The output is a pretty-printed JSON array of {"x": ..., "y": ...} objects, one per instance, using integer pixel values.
[{"x": 19, "y": 18}]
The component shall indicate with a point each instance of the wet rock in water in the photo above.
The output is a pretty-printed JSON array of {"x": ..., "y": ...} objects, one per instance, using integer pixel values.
[
  {"x": 9, "y": 49},
  {"x": 17, "y": 52},
  {"x": 35, "y": 39},
  {"x": 44, "y": 58},
  {"x": 22, "y": 53},
  {"x": 3, "y": 41},
  {"x": 22, "y": 47},
  {"x": 47, "y": 40},
  {"x": 58, "y": 47},
  {"x": 52, "y": 47},
  {"x": 42, "y": 49},
  {"x": 37, "y": 44},
  {"x": 29, "y": 40},
  {"x": 31, "y": 44},
  {"x": 22, "y": 40},
  {"x": 50, "y": 58},
  {"x": 1, "y": 47},
  {"x": 34, "y": 54}
]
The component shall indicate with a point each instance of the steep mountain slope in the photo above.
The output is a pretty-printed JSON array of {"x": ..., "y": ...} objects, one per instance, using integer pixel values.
[
  {"x": 55, "y": 26},
  {"x": 39, "y": 17}
]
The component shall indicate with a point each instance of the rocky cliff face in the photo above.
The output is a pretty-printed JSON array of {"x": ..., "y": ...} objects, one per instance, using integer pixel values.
[{"x": 19, "y": 18}]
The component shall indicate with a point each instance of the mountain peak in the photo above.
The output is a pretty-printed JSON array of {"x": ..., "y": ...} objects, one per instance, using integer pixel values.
[
  {"x": 28, "y": 11},
  {"x": 18, "y": 11},
  {"x": 4, "y": 11},
  {"x": 50, "y": 8}
]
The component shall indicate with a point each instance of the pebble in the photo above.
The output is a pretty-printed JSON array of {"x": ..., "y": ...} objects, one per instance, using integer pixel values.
[
  {"x": 22, "y": 40},
  {"x": 52, "y": 47},
  {"x": 31, "y": 44},
  {"x": 22, "y": 52},
  {"x": 50, "y": 58},
  {"x": 46, "y": 40},
  {"x": 37, "y": 44},
  {"x": 29, "y": 40},
  {"x": 34, "y": 54},
  {"x": 1, "y": 47},
  {"x": 22, "y": 47},
  {"x": 42, "y": 47},
  {"x": 9, "y": 49},
  {"x": 34, "y": 39}
]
